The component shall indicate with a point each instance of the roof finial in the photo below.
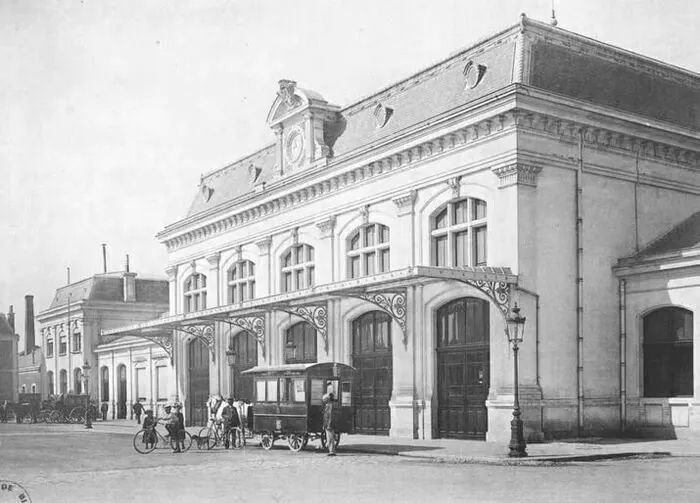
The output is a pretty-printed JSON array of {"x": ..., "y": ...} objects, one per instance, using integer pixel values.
[{"x": 553, "y": 21}]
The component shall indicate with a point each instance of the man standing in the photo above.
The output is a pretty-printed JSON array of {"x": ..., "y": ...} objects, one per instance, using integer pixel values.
[
  {"x": 172, "y": 424},
  {"x": 104, "y": 408},
  {"x": 138, "y": 410},
  {"x": 330, "y": 420},
  {"x": 3, "y": 412},
  {"x": 232, "y": 424},
  {"x": 180, "y": 427}
]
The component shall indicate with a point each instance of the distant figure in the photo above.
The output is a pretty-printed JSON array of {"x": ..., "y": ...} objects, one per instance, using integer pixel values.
[
  {"x": 3, "y": 412},
  {"x": 181, "y": 426},
  {"x": 330, "y": 420},
  {"x": 104, "y": 408},
  {"x": 138, "y": 410},
  {"x": 149, "y": 426}
]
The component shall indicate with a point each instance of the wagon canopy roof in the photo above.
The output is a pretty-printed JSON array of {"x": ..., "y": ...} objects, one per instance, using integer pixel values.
[{"x": 325, "y": 369}]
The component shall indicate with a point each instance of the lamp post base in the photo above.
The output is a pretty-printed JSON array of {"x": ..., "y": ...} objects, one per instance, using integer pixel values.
[{"x": 517, "y": 446}]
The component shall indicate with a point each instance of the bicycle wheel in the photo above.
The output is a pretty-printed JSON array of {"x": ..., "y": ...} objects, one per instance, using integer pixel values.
[
  {"x": 186, "y": 441},
  {"x": 140, "y": 444},
  {"x": 207, "y": 438}
]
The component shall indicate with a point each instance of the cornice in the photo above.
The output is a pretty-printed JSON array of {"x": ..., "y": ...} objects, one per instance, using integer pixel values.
[{"x": 522, "y": 120}]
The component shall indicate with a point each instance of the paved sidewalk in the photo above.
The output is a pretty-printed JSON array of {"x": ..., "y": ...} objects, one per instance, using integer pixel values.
[{"x": 472, "y": 451}]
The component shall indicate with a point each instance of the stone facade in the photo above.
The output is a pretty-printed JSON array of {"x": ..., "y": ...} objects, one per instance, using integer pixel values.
[
  {"x": 494, "y": 182},
  {"x": 9, "y": 377}
]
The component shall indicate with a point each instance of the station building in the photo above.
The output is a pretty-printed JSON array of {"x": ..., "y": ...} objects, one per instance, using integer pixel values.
[
  {"x": 395, "y": 234},
  {"x": 120, "y": 372}
]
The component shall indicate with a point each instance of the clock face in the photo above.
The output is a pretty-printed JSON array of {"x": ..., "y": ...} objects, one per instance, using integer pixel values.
[{"x": 295, "y": 145}]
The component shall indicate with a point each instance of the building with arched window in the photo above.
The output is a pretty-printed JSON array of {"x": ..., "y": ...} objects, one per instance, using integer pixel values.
[{"x": 396, "y": 233}]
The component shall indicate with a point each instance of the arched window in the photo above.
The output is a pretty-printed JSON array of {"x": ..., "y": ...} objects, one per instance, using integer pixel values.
[
  {"x": 62, "y": 343},
  {"x": 195, "y": 293},
  {"x": 241, "y": 281},
  {"x": 49, "y": 378},
  {"x": 458, "y": 234},
  {"x": 668, "y": 353},
  {"x": 104, "y": 377},
  {"x": 298, "y": 268},
  {"x": 368, "y": 251},
  {"x": 76, "y": 342},
  {"x": 63, "y": 381},
  {"x": 371, "y": 333},
  {"x": 244, "y": 348},
  {"x": 300, "y": 344},
  {"x": 77, "y": 377},
  {"x": 33, "y": 389},
  {"x": 23, "y": 389}
]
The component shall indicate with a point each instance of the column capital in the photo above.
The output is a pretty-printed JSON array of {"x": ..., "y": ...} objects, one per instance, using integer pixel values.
[
  {"x": 214, "y": 259},
  {"x": 517, "y": 174},
  {"x": 326, "y": 226},
  {"x": 405, "y": 202},
  {"x": 171, "y": 272},
  {"x": 264, "y": 245}
]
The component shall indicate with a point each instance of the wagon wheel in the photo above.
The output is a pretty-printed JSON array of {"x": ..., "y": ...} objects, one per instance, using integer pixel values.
[
  {"x": 324, "y": 443},
  {"x": 77, "y": 415},
  {"x": 266, "y": 440},
  {"x": 296, "y": 442}
]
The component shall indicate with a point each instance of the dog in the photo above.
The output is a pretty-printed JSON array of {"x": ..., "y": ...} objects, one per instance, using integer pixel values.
[{"x": 202, "y": 442}]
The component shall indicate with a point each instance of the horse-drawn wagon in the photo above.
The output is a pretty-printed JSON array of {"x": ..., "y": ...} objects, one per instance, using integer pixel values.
[{"x": 289, "y": 402}]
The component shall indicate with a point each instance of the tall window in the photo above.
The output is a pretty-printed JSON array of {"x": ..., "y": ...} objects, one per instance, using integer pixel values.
[
  {"x": 368, "y": 251},
  {"x": 668, "y": 353},
  {"x": 195, "y": 293},
  {"x": 300, "y": 344},
  {"x": 62, "y": 344},
  {"x": 245, "y": 348},
  {"x": 77, "y": 377},
  {"x": 76, "y": 342},
  {"x": 63, "y": 381},
  {"x": 371, "y": 333},
  {"x": 104, "y": 377},
  {"x": 33, "y": 389},
  {"x": 458, "y": 234},
  {"x": 298, "y": 268},
  {"x": 49, "y": 379},
  {"x": 49, "y": 347},
  {"x": 241, "y": 282}
]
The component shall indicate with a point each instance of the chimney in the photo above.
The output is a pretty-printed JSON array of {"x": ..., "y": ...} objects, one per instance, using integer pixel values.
[
  {"x": 68, "y": 275},
  {"x": 29, "y": 339},
  {"x": 11, "y": 318},
  {"x": 129, "y": 283},
  {"x": 104, "y": 258}
]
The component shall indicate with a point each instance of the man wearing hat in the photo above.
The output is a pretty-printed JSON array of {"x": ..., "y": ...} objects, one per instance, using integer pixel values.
[
  {"x": 172, "y": 424},
  {"x": 330, "y": 419}
]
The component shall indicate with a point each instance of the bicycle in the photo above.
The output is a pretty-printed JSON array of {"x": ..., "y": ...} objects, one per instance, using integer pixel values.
[
  {"x": 160, "y": 441},
  {"x": 214, "y": 436}
]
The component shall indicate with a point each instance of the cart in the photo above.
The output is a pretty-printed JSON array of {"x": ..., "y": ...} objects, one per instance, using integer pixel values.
[{"x": 288, "y": 402}]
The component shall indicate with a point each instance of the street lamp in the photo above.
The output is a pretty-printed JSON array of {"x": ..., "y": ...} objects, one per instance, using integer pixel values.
[
  {"x": 515, "y": 325},
  {"x": 88, "y": 419},
  {"x": 231, "y": 355}
]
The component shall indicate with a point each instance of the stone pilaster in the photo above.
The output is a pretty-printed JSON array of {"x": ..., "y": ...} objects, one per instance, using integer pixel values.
[
  {"x": 325, "y": 269},
  {"x": 404, "y": 256},
  {"x": 263, "y": 269},
  {"x": 403, "y": 396},
  {"x": 213, "y": 280},
  {"x": 171, "y": 272}
]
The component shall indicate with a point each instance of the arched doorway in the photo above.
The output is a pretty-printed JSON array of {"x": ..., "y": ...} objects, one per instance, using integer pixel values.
[
  {"x": 372, "y": 357},
  {"x": 198, "y": 376},
  {"x": 462, "y": 348},
  {"x": 243, "y": 350},
  {"x": 105, "y": 384},
  {"x": 63, "y": 381},
  {"x": 121, "y": 392}
]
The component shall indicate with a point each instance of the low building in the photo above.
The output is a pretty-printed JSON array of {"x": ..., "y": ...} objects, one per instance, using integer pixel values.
[
  {"x": 9, "y": 376},
  {"x": 32, "y": 373},
  {"x": 397, "y": 233},
  {"x": 70, "y": 333}
]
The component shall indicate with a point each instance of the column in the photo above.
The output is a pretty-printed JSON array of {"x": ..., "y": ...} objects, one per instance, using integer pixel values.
[
  {"x": 404, "y": 255},
  {"x": 213, "y": 280},
  {"x": 403, "y": 392},
  {"x": 326, "y": 268},
  {"x": 263, "y": 269},
  {"x": 172, "y": 288}
]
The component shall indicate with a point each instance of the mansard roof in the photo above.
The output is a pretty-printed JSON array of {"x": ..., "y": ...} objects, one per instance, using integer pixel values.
[
  {"x": 109, "y": 287},
  {"x": 530, "y": 54}
]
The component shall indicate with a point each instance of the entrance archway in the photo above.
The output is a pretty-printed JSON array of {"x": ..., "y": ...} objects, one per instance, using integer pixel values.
[
  {"x": 198, "y": 377},
  {"x": 372, "y": 357},
  {"x": 245, "y": 349},
  {"x": 462, "y": 347},
  {"x": 121, "y": 392}
]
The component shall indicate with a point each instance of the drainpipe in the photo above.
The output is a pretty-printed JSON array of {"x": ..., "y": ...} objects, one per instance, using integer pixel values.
[
  {"x": 537, "y": 333},
  {"x": 623, "y": 354},
  {"x": 579, "y": 281}
]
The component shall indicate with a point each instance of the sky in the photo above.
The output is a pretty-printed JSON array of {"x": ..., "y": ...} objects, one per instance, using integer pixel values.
[{"x": 111, "y": 110}]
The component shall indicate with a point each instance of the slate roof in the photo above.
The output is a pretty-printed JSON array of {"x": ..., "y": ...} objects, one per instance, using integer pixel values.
[
  {"x": 683, "y": 236},
  {"x": 109, "y": 287},
  {"x": 595, "y": 74},
  {"x": 5, "y": 327}
]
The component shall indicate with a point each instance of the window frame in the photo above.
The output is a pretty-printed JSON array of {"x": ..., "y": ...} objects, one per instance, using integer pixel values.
[
  {"x": 237, "y": 282},
  {"x": 363, "y": 253},
  {"x": 195, "y": 292},
  {"x": 446, "y": 227},
  {"x": 292, "y": 268},
  {"x": 309, "y": 336}
]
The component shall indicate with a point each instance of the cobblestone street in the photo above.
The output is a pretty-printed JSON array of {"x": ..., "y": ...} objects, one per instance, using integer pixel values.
[{"x": 60, "y": 463}]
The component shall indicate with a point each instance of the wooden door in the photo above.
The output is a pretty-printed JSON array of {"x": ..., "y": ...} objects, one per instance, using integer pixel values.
[
  {"x": 245, "y": 347},
  {"x": 198, "y": 376},
  {"x": 372, "y": 357},
  {"x": 463, "y": 368}
]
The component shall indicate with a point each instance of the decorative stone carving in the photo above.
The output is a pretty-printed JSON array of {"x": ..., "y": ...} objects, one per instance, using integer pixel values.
[
  {"x": 315, "y": 315},
  {"x": 254, "y": 325},
  {"x": 206, "y": 192},
  {"x": 193, "y": 265},
  {"x": 382, "y": 114},
  {"x": 364, "y": 214},
  {"x": 326, "y": 226},
  {"x": 455, "y": 183},
  {"x": 286, "y": 93},
  {"x": 404, "y": 203},
  {"x": 205, "y": 333},
  {"x": 294, "y": 235},
  {"x": 264, "y": 245},
  {"x": 517, "y": 174},
  {"x": 473, "y": 74},
  {"x": 171, "y": 272}
]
